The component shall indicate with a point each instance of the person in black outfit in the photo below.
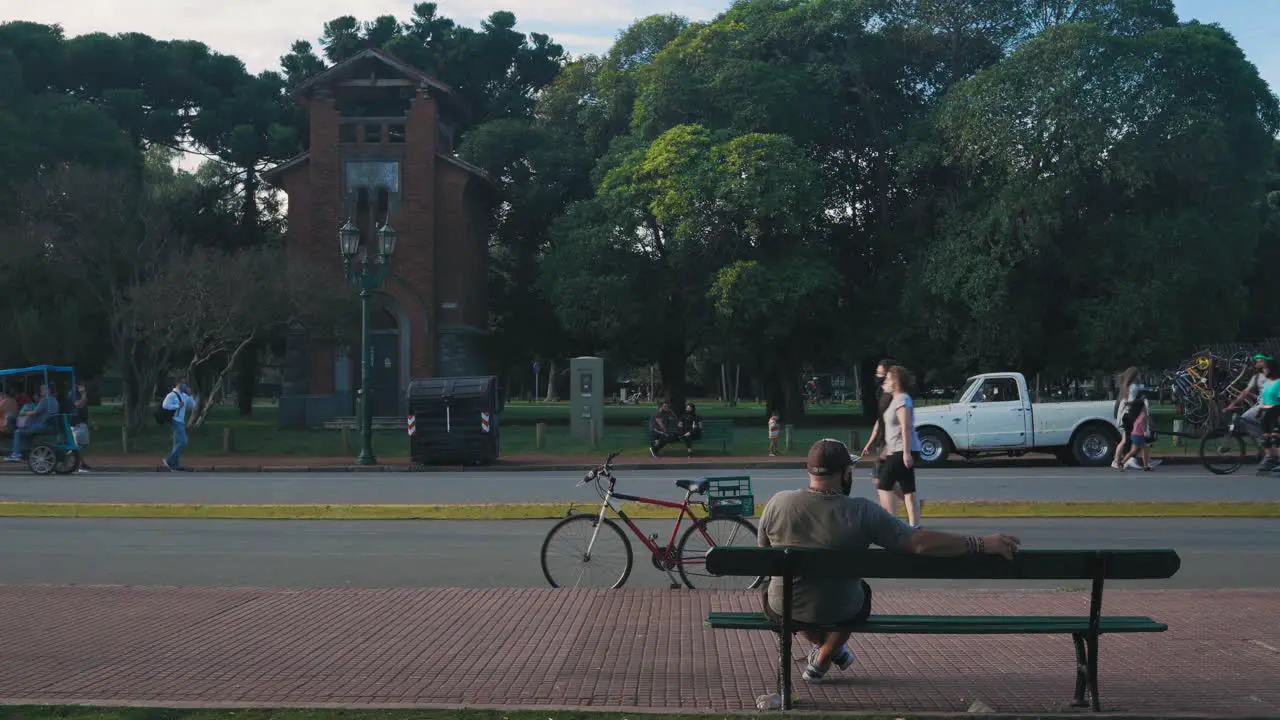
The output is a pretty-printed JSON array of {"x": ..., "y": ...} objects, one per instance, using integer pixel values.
[
  {"x": 82, "y": 418},
  {"x": 689, "y": 429},
  {"x": 875, "y": 443},
  {"x": 663, "y": 428}
]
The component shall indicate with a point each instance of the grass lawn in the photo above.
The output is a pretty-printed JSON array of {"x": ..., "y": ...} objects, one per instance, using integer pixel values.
[
  {"x": 90, "y": 713},
  {"x": 259, "y": 435}
]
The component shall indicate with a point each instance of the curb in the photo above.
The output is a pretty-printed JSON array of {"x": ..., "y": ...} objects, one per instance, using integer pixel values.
[
  {"x": 559, "y": 510},
  {"x": 728, "y": 464}
]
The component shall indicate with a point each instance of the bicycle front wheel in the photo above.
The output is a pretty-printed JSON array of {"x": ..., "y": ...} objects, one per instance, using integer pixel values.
[
  {"x": 706, "y": 534},
  {"x": 585, "y": 551},
  {"x": 1222, "y": 454}
]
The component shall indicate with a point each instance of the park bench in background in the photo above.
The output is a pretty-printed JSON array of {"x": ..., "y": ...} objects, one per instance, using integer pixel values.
[
  {"x": 1094, "y": 565},
  {"x": 713, "y": 431}
]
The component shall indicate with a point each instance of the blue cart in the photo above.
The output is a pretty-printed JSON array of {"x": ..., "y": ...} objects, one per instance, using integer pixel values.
[{"x": 52, "y": 448}]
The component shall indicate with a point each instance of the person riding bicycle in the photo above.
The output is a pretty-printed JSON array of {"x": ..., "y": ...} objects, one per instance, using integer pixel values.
[
  {"x": 1269, "y": 401},
  {"x": 1251, "y": 421},
  {"x": 823, "y": 515}
]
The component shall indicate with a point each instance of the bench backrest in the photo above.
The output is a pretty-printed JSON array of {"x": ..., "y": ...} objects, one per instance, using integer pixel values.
[{"x": 1026, "y": 565}]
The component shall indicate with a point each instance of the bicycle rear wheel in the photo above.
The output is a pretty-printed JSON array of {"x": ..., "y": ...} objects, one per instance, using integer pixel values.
[
  {"x": 1222, "y": 453},
  {"x": 706, "y": 534},
  {"x": 570, "y": 558}
]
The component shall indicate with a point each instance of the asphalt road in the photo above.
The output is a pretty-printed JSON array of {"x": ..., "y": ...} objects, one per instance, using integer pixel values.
[
  {"x": 1172, "y": 483},
  {"x": 293, "y": 554}
]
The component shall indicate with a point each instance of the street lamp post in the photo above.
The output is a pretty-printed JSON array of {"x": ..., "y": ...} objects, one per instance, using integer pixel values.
[{"x": 366, "y": 275}]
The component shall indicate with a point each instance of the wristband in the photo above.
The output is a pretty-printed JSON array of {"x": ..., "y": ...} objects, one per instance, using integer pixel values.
[{"x": 971, "y": 544}]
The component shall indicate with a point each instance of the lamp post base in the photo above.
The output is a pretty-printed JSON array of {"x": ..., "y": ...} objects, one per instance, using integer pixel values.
[{"x": 366, "y": 458}]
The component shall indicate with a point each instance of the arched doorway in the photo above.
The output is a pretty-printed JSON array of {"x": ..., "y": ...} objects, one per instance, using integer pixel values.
[{"x": 386, "y": 351}]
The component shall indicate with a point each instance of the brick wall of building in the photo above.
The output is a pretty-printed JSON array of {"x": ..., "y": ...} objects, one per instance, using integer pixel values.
[{"x": 417, "y": 267}]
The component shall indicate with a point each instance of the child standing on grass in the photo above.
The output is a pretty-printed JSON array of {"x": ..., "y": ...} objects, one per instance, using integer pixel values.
[{"x": 775, "y": 429}]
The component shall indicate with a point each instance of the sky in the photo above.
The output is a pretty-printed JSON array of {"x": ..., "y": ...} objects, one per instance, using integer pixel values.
[{"x": 260, "y": 31}]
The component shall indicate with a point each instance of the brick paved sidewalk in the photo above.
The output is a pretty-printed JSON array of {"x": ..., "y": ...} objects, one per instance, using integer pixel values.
[{"x": 605, "y": 649}]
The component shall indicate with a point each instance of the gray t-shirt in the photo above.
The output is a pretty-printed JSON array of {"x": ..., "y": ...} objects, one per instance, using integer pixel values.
[
  {"x": 807, "y": 519},
  {"x": 893, "y": 428}
]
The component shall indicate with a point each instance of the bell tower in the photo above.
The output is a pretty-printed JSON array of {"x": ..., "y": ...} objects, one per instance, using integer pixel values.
[{"x": 381, "y": 138}]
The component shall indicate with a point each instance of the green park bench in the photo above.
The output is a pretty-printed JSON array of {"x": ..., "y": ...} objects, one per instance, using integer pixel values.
[
  {"x": 1094, "y": 565},
  {"x": 713, "y": 431}
]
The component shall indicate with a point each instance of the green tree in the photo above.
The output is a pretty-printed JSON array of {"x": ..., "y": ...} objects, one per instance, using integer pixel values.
[
  {"x": 679, "y": 237},
  {"x": 1113, "y": 180}
]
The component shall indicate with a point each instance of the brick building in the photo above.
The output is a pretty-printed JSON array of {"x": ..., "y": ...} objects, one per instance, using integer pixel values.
[{"x": 381, "y": 150}]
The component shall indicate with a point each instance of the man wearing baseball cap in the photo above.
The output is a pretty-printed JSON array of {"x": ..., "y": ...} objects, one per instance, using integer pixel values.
[{"x": 823, "y": 515}]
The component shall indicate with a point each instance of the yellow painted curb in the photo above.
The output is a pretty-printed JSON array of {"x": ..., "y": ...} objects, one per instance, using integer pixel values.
[{"x": 543, "y": 511}]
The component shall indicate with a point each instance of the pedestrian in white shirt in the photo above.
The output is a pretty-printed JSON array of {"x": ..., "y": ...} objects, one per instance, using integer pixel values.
[{"x": 179, "y": 404}]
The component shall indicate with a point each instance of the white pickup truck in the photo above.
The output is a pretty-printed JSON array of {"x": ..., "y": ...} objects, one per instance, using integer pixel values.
[{"x": 993, "y": 414}]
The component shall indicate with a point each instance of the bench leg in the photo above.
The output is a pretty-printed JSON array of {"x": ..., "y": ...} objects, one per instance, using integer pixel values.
[
  {"x": 784, "y": 669},
  {"x": 1082, "y": 671},
  {"x": 1086, "y": 671},
  {"x": 1095, "y": 704}
]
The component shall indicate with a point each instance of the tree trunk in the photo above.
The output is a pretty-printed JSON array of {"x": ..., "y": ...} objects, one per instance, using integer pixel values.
[
  {"x": 249, "y": 214},
  {"x": 671, "y": 362},
  {"x": 247, "y": 378},
  {"x": 780, "y": 375},
  {"x": 869, "y": 388},
  {"x": 551, "y": 395}
]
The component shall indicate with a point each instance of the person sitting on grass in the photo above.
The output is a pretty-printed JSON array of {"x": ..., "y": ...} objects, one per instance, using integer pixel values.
[{"x": 823, "y": 515}]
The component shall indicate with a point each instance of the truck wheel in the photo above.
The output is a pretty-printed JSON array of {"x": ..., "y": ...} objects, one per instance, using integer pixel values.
[
  {"x": 935, "y": 446},
  {"x": 1094, "y": 445}
]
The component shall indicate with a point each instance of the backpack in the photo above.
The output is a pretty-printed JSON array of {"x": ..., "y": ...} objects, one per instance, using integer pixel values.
[{"x": 163, "y": 416}]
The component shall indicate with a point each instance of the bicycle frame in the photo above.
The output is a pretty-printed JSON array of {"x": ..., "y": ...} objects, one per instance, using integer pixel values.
[
  {"x": 654, "y": 549},
  {"x": 661, "y": 555}
]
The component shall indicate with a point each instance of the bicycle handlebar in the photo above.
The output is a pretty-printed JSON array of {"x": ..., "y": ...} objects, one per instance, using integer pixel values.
[{"x": 595, "y": 472}]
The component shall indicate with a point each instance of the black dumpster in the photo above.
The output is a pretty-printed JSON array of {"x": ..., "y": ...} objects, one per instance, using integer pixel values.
[{"x": 453, "y": 420}]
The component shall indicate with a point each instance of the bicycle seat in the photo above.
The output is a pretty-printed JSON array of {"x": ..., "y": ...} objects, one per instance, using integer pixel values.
[{"x": 697, "y": 487}]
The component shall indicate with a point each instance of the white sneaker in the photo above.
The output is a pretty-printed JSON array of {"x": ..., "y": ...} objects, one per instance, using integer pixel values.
[
  {"x": 1116, "y": 465},
  {"x": 1133, "y": 464}
]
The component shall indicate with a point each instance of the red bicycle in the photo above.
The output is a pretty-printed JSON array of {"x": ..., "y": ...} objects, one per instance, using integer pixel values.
[{"x": 592, "y": 551}]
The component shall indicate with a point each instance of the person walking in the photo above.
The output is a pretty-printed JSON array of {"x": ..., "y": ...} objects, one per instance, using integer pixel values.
[
  {"x": 179, "y": 404},
  {"x": 876, "y": 443},
  {"x": 902, "y": 446},
  {"x": 82, "y": 424},
  {"x": 1139, "y": 416}
]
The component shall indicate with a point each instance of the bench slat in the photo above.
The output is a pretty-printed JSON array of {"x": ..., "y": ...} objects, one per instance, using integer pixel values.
[
  {"x": 952, "y": 624},
  {"x": 1026, "y": 565}
]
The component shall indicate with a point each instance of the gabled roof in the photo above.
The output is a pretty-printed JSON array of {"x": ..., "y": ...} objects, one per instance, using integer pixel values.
[
  {"x": 271, "y": 175},
  {"x": 345, "y": 67},
  {"x": 274, "y": 174}
]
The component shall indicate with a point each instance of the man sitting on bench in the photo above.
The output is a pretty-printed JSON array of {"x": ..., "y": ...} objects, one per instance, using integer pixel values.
[{"x": 824, "y": 516}]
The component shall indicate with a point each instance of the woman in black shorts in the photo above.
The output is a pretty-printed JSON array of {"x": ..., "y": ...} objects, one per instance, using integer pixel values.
[{"x": 902, "y": 446}]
